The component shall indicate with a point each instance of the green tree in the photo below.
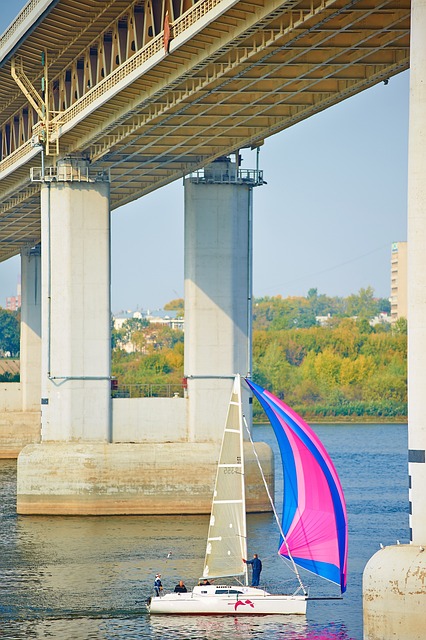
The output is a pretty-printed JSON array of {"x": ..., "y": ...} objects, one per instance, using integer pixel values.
[
  {"x": 400, "y": 326},
  {"x": 277, "y": 313},
  {"x": 384, "y": 305},
  {"x": 9, "y": 332},
  {"x": 364, "y": 326},
  {"x": 362, "y": 304},
  {"x": 131, "y": 325}
]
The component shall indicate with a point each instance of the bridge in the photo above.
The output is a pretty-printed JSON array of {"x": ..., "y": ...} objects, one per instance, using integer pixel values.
[
  {"x": 104, "y": 101},
  {"x": 150, "y": 91}
]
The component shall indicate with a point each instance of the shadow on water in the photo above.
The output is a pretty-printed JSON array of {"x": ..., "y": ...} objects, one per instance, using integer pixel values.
[{"x": 83, "y": 578}]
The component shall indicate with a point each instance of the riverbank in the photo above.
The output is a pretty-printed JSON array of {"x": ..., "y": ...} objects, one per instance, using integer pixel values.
[{"x": 347, "y": 420}]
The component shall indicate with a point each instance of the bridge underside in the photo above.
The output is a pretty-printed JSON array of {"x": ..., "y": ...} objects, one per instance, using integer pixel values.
[{"x": 149, "y": 109}]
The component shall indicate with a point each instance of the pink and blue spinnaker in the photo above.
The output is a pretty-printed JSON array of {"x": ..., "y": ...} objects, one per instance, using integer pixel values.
[{"x": 314, "y": 520}]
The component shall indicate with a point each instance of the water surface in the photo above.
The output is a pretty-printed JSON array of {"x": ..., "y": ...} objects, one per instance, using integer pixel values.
[{"x": 82, "y": 578}]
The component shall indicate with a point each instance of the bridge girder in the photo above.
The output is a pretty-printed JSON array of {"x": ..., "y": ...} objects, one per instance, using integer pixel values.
[{"x": 149, "y": 111}]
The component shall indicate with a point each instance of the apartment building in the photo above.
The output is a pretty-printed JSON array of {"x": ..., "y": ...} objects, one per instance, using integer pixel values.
[
  {"x": 398, "y": 281},
  {"x": 13, "y": 303}
]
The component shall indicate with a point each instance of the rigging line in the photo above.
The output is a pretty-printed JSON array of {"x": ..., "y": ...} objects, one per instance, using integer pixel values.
[
  {"x": 302, "y": 586},
  {"x": 336, "y": 266}
]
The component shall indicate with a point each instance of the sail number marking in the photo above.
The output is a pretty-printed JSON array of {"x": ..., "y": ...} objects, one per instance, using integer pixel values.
[{"x": 230, "y": 468}]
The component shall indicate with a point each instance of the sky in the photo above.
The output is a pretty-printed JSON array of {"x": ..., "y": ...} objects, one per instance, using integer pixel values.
[{"x": 334, "y": 202}]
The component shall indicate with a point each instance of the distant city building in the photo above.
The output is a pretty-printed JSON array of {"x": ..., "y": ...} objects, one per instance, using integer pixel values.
[
  {"x": 323, "y": 320},
  {"x": 168, "y": 318},
  {"x": 157, "y": 317},
  {"x": 398, "y": 281},
  {"x": 13, "y": 303},
  {"x": 382, "y": 318}
]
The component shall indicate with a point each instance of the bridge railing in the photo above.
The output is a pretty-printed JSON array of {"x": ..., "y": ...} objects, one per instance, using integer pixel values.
[
  {"x": 148, "y": 391},
  {"x": 67, "y": 173},
  {"x": 17, "y": 23},
  {"x": 252, "y": 177}
]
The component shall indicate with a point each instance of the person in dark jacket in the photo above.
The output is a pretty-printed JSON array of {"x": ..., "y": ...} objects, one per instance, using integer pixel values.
[
  {"x": 180, "y": 588},
  {"x": 256, "y": 565}
]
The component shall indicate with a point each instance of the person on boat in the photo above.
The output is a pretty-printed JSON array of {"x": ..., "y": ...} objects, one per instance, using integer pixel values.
[
  {"x": 180, "y": 588},
  {"x": 256, "y": 565},
  {"x": 158, "y": 587}
]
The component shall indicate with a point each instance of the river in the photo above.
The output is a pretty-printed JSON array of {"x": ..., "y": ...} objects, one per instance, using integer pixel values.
[{"x": 83, "y": 578}]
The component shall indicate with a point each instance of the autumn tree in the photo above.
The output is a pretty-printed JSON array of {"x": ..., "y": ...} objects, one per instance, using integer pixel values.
[{"x": 176, "y": 305}]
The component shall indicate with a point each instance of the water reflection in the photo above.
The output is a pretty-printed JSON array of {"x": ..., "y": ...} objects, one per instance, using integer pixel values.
[
  {"x": 223, "y": 627},
  {"x": 167, "y": 627},
  {"x": 83, "y": 564}
]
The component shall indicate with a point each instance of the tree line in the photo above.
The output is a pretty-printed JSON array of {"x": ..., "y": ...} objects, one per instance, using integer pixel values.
[
  {"x": 341, "y": 368},
  {"x": 345, "y": 368},
  {"x": 335, "y": 371}
]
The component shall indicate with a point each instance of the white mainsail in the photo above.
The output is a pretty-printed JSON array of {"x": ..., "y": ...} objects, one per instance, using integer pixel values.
[{"x": 227, "y": 537}]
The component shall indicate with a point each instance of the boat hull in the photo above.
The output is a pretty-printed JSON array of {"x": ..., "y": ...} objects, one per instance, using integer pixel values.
[{"x": 244, "y": 601}]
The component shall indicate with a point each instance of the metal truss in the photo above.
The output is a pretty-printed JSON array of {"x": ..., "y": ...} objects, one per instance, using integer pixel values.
[{"x": 150, "y": 91}]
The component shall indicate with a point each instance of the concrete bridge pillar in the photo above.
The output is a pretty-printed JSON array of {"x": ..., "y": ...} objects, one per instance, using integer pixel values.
[
  {"x": 76, "y": 345},
  {"x": 76, "y": 312},
  {"x": 20, "y": 401},
  {"x": 218, "y": 207},
  {"x": 30, "y": 353},
  {"x": 82, "y": 466},
  {"x": 394, "y": 579}
]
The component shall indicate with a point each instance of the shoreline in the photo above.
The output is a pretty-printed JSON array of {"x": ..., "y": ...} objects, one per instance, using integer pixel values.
[{"x": 350, "y": 420}]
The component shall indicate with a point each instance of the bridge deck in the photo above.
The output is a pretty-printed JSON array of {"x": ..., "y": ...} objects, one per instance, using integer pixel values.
[{"x": 235, "y": 72}]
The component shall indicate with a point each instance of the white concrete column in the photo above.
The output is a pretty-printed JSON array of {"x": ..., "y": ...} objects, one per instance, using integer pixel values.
[
  {"x": 217, "y": 283},
  {"x": 76, "y": 316},
  {"x": 30, "y": 356},
  {"x": 394, "y": 579},
  {"x": 417, "y": 273}
]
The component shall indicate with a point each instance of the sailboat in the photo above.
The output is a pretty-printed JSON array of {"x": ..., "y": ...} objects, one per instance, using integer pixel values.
[{"x": 313, "y": 527}]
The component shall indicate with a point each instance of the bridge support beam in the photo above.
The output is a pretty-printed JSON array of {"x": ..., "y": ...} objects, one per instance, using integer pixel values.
[{"x": 394, "y": 579}]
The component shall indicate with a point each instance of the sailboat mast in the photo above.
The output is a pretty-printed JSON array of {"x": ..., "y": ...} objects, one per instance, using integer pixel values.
[
  {"x": 227, "y": 535},
  {"x": 243, "y": 484}
]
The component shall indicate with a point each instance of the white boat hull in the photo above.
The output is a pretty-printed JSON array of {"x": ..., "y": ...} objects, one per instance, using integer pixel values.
[{"x": 225, "y": 600}]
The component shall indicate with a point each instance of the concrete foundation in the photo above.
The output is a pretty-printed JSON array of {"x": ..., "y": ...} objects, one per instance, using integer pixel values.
[
  {"x": 394, "y": 589},
  {"x": 120, "y": 479},
  {"x": 17, "y": 430}
]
